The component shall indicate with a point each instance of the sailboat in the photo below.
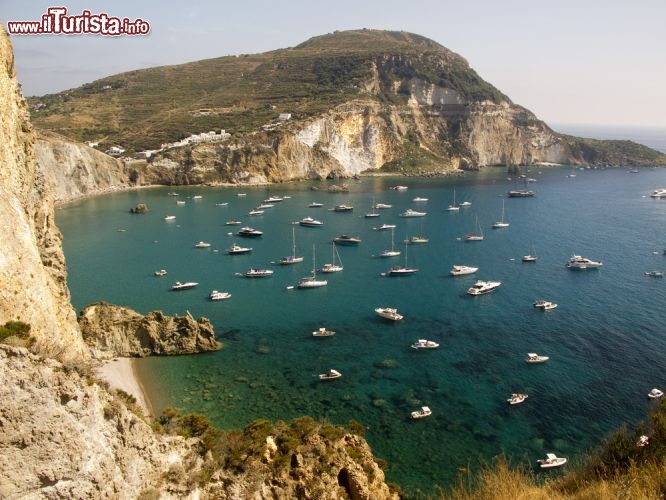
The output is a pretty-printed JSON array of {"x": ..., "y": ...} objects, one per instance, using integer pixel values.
[
  {"x": 531, "y": 257},
  {"x": 333, "y": 268},
  {"x": 500, "y": 224},
  {"x": 453, "y": 207},
  {"x": 475, "y": 236},
  {"x": 292, "y": 259},
  {"x": 402, "y": 271},
  {"x": 311, "y": 281},
  {"x": 373, "y": 212},
  {"x": 393, "y": 252}
]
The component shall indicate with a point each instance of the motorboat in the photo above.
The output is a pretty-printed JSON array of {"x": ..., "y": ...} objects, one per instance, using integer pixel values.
[
  {"x": 462, "y": 270},
  {"x": 161, "y": 272},
  {"x": 399, "y": 188},
  {"x": 255, "y": 211},
  {"x": 415, "y": 240},
  {"x": 330, "y": 375},
  {"x": 483, "y": 287},
  {"x": 466, "y": 204},
  {"x": 517, "y": 398},
  {"x": 169, "y": 217},
  {"x": 544, "y": 305},
  {"x": 311, "y": 281},
  {"x": 659, "y": 193},
  {"x": 425, "y": 344},
  {"x": 310, "y": 222},
  {"x": 232, "y": 223},
  {"x": 241, "y": 194},
  {"x": 323, "y": 332},
  {"x": 273, "y": 199},
  {"x": 264, "y": 206},
  {"x": 180, "y": 202},
  {"x": 249, "y": 232},
  {"x": 419, "y": 199},
  {"x": 197, "y": 197},
  {"x": 412, "y": 213},
  {"x": 520, "y": 193},
  {"x": 202, "y": 244},
  {"x": 551, "y": 461},
  {"x": 501, "y": 223},
  {"x": 655, "y": 274},
  {"x": 237, "y": 249},
  {"x": 215, "y": 295},
  {"x": 533, "y": 357},
  {"x": 383, "y": 206},
  {"x": 183, "y": 286},
  {"x": 221, "y": 204},
  {"x": 171, "y": 193},
  {"x": 422, "y": 413},
  {"x": 347, "y": 240},
  {"x": 655, "y": 393},
  {"x": 578, "y": 262},
  {"x": 333, "y": 267},
  {"x": 384, "y": 227},
  {"x": 258, "y": 273},
  {"x": 389, "y": 313},
  {"x": 343, "y": 208},
  {"x": 315, "y": 204}
]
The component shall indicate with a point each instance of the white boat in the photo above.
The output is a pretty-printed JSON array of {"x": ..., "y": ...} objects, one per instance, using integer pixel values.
[
  {"x": 169, "y": 217},
  {"x": 578, "y": 262},
  {"x": 412, "y": 213},
  {"x": 311, "y": 281},
  {"x": 402, "y": 270},
  {"x": 389, "y": 313},
  {"x": 345, "y": 239},
  {"x": 655, "y": 393},
  {"x": 520, "y": 193},
  {"x": 183, "y": 286},
  {"x": 551, "y": 461},
  {"x": 659, "y": 193},
  {"x": 310, "y": 222},
  {"x": 249, "y": 232},
  {"x": 422, "y": 413},
  {"x": 232, "y": 223},
  {"x": 343, "y": 208},
  {"x": 418, "y": 199},
  {"x": 475, "y": 236},
  {"x": 529, "y": 258},
  {"x": 255, "y": 211},
  {"x": 483, "y": 287},
  {"x": 544, "y": 305},
  {"x": 221, "y": 204},
  {"x": 533, "y": 357},
  {"x": 333, "y": 267},
  {"x": 202, "y": 244},
  {"x": 384, "y": 227},
  {"x": 453, "y": 207},
  {"x": 323, "y": 332},
  {"x": 415, "y": 240},
  {"x": 373, "y": 212},
  {"x": 315, "y": 204},
  {"x": 258, "y": 273},
  {"x": 383, "y": 206},
  {"x": 215, "y": 295},
  {"x": 180, "y": 202},
  {"x": 264, "y": 206},
  {"x": 161, "y": 272},
  {"x": 501, "y": 223},
  {"x": 291, "y": 259},
  {"x": 171, "y": 193},
  {"x": 466, "y": 204},
  {"x": 462, "y": 270},
  {"x": 655, "y": 274},
  {"x": 392, "y": 252},
  {"x": 241, "y": 194},
  {"x": 330, "y": 375},
  {"x": 273, "y": 199},
  {"x": 517, "y": 398},
  {"x": 197, "y": 197},
  {"x": 425, "y": 344},
  {"x": 237, "y": 249},
  {"x": 399, "y": 188}
]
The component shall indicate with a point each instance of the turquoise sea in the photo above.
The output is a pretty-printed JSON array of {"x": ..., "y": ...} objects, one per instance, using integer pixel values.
[{"x": 606, "y": 339}]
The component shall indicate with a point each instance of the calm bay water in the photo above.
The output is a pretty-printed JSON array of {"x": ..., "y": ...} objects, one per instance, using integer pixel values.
[{"x": 606, "y": 339}]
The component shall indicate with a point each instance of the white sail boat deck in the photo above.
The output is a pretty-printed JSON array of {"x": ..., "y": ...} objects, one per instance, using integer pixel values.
[
  {"x": 291, "y": 259},
  {"x": 501, "y": 223},
  {"x": 392, "y": 252},
  {"x": 311, "y": 281},
  {"x": 333, "y": 267}
]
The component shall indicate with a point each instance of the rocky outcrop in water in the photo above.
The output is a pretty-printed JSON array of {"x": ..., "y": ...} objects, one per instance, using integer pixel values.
[{"x": 111, "y": 331}]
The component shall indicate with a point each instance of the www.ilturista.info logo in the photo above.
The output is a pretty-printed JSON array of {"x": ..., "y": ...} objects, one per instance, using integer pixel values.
[{"x": 57, "y": 22}]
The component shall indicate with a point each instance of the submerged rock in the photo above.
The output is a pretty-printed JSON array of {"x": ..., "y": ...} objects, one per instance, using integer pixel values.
[{"x": 141, "y": 208}]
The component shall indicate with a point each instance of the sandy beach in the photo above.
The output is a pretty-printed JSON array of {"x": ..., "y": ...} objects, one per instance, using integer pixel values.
[{"x": 120, "y": 374}]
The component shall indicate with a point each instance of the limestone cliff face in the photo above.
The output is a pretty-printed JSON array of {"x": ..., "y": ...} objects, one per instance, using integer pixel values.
[
  {"x": 33, "y": 285},
  {"x": 111, "y": 331},
  {"x": 74, "y": 170}
]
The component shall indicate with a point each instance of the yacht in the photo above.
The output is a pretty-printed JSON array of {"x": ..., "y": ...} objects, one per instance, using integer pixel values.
[
  {"x": 399, "y": 188},
  {"x": 383, "y": 206},
  {"x": 389, "y": 313},
  {"x": 517, "y": 398},
  {"x": 483, "y": 287},
  {"x": 323, "y": 332},
  {"x": 529, "y": 258},
  {"x": 412, "y": 213},
  {"x": 215, "y": 295},
  {"x": 202, "y": 244},
  {"x": 197, "y": 197},
  {"x": 264, "y": 206},
  {"x": 655, "y": 393},
  {"x": 232, "y": 223},
  {"x": 462, "y": 270},
  {"x": 161, "y": 272},
  {"x": 333, "y": 267},
  {"x": 520, "y": 193},
  {"x": 180, "y": 202},
  {"x": 315, "y": 204},
  {"x": 384, "y": 227},
  {"x": 343, "y": 208},
  {"x": 415, "y": 240},
  {"x": 273, "y": 199},
  {"x": 466, "y": 204},
  {"x": 582, "y": 263},
  {"x": 183, "y": 286},
  {"x": 347, "y": 240},
  {"x": 422, "y": 413},
  {"x": 237, "y": 249},
  {"x": 425, "y": 344},
  {"x": 544, "y": 305},
  {"x": 330, "y": 375},
  {"x": 249, "y": 232},
  {"x": 418, "y": 199},
  {"x": 169, "y": 217},
  {"x": 551, "y": 460},
  {"x": 659, "y": 193},
  {"x": 310, "y": 222},
  {"x": 255, "y": 211},
  {"x": 258, "y": 273},
  {"x": 533, "y": 357},
  {"x": 655, "y": 274}
]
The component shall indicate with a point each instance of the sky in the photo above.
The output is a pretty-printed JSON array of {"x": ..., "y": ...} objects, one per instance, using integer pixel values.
[{"x": 596, "y": 62}]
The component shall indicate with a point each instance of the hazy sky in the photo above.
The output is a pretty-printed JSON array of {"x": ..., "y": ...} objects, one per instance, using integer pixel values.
[{"x": 569, "y": 61}]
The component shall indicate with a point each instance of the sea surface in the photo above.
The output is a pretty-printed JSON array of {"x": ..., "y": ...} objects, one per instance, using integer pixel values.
[{"x": 606, "y": 340}]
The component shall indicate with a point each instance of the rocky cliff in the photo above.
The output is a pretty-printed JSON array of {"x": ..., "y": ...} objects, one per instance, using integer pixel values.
[{"x": 111, "y": 331}]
